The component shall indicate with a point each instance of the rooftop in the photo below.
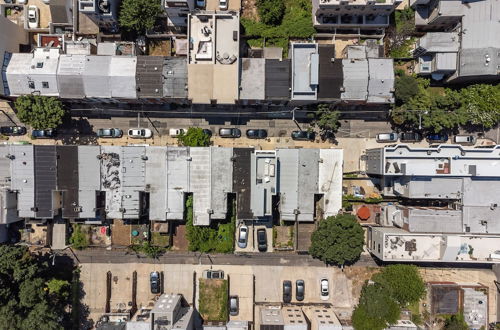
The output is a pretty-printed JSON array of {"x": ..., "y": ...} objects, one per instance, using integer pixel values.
[
  {"x": 253, "y": 79},
  {"x": 305, "y": 71}
]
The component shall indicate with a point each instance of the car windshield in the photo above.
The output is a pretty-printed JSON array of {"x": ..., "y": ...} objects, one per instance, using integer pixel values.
[{"x": 142, "y": 132}]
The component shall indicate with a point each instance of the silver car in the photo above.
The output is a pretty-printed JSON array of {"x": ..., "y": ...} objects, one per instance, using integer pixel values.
[
  {"x": 243, "y": 237},
  {"x": 387, "y": 137}
]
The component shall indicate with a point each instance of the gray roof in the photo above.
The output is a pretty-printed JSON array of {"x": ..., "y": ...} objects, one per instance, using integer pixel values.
[
  {"x": 70, "y": 76},
  {"x": 445, "y": 61},
  {"x": 253, "y": 79},
  {"x": 23, "y": 179},
  {"x": 45, "y": 180},
  {"x": 479, "y": 61},
  {"x": 356, "y": 51},
  {"x": 89, "y": 179},
  {"x": 355, "y": 79},
  {"x": 200, "y": 179},
  {"x": 381, "y": 80},
  {"x": 156, "y": 182},
  {"x": 434, "y": 42},
  {"x": 264, "y": 172},
  {"x": 60, "y": 11},
  {"x": 149, "y": 75},
  {"x": 177, "y": 181},
  {"x": 96, "y": 78},
  {"x": 480, "y": 23},
  {"x": 122, "y": 77},
  {"x": 175, "y": 77},
  {"x": 132, "y": 180},
  {"x": 305, "y": 71},
  {"x": 221, "y": 169},
  {"x": 278, "y": 79},
  {"x": 106, "y": 48}
]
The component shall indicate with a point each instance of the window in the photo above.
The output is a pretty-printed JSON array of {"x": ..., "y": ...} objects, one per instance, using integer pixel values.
[
  {"x": 379, "y": 248},
  {"x": 39, "y": 65},
  {"x": 31, "y": 84},
  {"x": 45, "y": 84}
]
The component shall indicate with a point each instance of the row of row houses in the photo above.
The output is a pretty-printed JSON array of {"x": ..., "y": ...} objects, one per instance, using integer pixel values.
[{"x": 92, "y": 183}]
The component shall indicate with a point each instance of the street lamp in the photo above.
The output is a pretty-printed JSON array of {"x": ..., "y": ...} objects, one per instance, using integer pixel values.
[{"x": 420, "y": 117}]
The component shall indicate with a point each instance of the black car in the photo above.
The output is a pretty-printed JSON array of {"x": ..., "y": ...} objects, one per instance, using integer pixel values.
[
  {"x": 256, "y": 134},
  {"x": 13, "y": 130},
  {"x": 287, "y": 291},
  {"x": 303, "y": 135},
  {"x": 437, "y": 138},
  {"x": 154, "y": 279},
  {"x": 43, "y": 133},
  {"x": 262, "y": 240},
  {"x": 299, "y": 290},
  {"x": 233, "y": 305},
  {"x": 229, "y": 132},
  {"x": 207, "y": 132},
  {"x": 410, "y": 137}
]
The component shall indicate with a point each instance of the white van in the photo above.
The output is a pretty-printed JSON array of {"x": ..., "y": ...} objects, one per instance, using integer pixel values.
[{"x": 465, "y": 140}]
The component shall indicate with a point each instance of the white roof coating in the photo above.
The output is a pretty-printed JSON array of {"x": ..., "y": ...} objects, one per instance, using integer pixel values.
[
  {"x": 222, "y": 180},
  {"x": 156, "y": 182},
  {"x": 122, "y": 76},
  {"x": 381, "y": 83},
  {"x": 23, "y": 178},
  {"x": 305, "y": 71},
  {"x": 133, "y": 170},
  {"x": 200, "y": 184},
  {"x": 442, "y": 42},
  {"x": 330, "y": 179},
  {"x": 96, "y": 78},
  {"x": 177, "y": 181},
  {"x": 89, "y": 179},
  {"x": 355, "y": 79},
  {"x": 253, "y": 78},
  {"x": 70, "y": 76}
]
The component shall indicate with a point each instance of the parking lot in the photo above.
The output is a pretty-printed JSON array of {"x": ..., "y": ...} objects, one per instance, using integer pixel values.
[{"x": 252, "y": 243}]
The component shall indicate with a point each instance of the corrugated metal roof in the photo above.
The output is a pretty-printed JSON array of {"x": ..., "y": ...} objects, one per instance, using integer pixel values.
[
  {"x": 381, "y": 83},
  {"x": 149, "y": 79},
  {"x": 122, "y": 77},
  {"x": 175, "y": 77},
  {"x": 355, "y": 79},
  {"x": 96, "y": 79},
  {"x": 70, "y": 76},
  {"x": 45, "y": 180}
]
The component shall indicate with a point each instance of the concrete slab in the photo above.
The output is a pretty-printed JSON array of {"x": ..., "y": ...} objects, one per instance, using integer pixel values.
[{"x": 241, "y": 285}]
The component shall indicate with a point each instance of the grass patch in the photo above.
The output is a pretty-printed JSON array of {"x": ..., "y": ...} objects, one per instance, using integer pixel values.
[
  {"x": 218, "y": 237},
  {"x": 213, "y": 299},
  {"x": 149, "y": 250},
  {"x": 79, "y": 239},
  {"x": 159, "y": 239},
  {"x": 404, "y": 50}
]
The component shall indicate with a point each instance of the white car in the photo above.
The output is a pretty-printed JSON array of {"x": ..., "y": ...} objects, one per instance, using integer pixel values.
[
  {"x": 140, "y": 133},
  {"x": 223, "y": 4},
  {"x": 33, "y": 17},
  {"x": 175, "y": 132},
  {"x": 325, "y": 291},
  {"x": 243, "y": 237}
]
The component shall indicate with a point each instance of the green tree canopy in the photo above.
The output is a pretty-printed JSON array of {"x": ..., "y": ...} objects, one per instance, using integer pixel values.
[
  {"x": 405, "y": 87},
  {"x": 376, "y": 309},
  {"x": 402, "y": 282},
  {"x": 456, "y": 322},
  {"x": 271, "y": 11},
  {"x": 194, "y": 137},
  {"x": 25, "y": 298},
  {"x": 79, "y": 239},
  {"x": 327, "y": 119},
  {"x": 40, "y": 112},
  {"x": 481, "y": 103},
  {"x": 338, "y": 240},
  {"x": 138, "y": 16}
]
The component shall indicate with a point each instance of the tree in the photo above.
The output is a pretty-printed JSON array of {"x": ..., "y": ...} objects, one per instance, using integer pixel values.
[
  {"x": 405, "y": 87},
  {"x": 327, "y": 119},
  {"x": 456, "y": 322},
  {"x": 194, "y": 137},
  {"x": 481, "y": 103},
  {"x": 40, "y": 112},
  {"x": 271, "y": 12},
  {"x": 402, "y": 282},
  {"x": 338, "y": 240},
  {"x": 138, "y": 16},
  {"x": 376, "y": 309},
  {"x": 78, "y": 239},
  {"x": 25, "y": 301}
]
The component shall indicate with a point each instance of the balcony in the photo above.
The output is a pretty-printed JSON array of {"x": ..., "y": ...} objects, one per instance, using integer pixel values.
[{"x": 346, "y": 20}]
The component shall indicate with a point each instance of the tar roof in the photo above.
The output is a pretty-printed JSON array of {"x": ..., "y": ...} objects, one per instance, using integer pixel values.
[
  {"x": 381, "y": 83},
  {"x": 278, "y": 79},
  {"x": 60, "y": 13},
  {"x": 149, "y": 79},
  {"x": 253, "y": 78},
  {"x": 67, "y": 179},
  {"x": 45, "y": 180},
  {"x": 175, "y": 77},
  {"x": 330, "y": 73}
]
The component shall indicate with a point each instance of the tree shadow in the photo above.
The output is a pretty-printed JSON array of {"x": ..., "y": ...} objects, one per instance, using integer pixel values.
[{"x": 77, "y": 131}]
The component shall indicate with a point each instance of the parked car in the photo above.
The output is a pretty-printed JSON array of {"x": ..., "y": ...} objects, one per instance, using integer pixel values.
[
  {"x": 387, "y": 137},
  {"x": 410, "y": 137},
  {"x": 213, "y": 274},
  {"x": 13, "y": 130},
  {"x": 154, "y": 280},
  {"x": 262, "y": 240},
  {"x": 243, "y": 237},
  {"x": 495, "y": 255},
  {"x": 303, "y": 135},
  {"x": 465, "y": 140},
  {"x": 437, "y": 138},
  {"x": 256, "y": 134},
  {"x": 233, "y": 305},
  {"x": 33, "y": 17},
  {"x": 43, "y": 133},
  {"x": 230, "y": 132},
  {"x": 109, "y": 133},
  {"x": 175, "y": 132},
  {"x": 201, "y": 4},
  {"x": 223, "y": 4},
  {"x": 325, "y": 291},
  {"x": 299, "y": 290},
  {"x": 140, "y": 133},
  {"x": 287, "y": 291},
  {"x": 207, "y": 131}
]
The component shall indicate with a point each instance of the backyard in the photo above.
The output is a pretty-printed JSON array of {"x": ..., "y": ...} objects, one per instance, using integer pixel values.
[{"x": 213, "y": 304}]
